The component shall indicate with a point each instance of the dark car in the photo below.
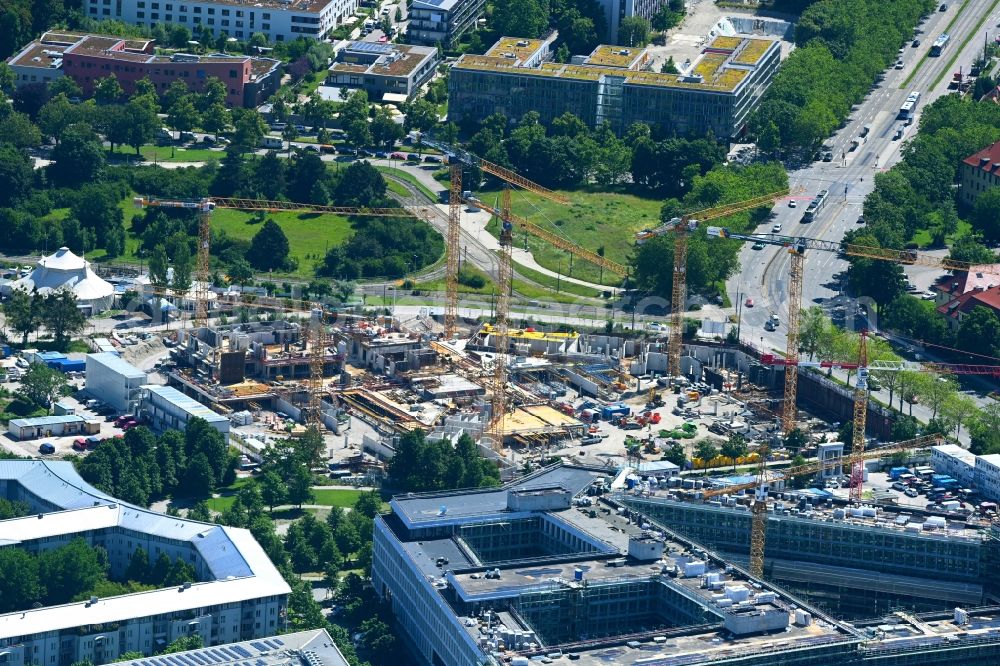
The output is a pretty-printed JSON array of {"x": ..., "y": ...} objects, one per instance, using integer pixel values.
[
  {"x": 382, "y": 154},
  {"x": 413, "y": 157},
  {"x": 207, "y": 140},
  {"x": 916, "y": 43},
  {"x": 46, "y": 448},
  {"x": 433, "y": 159}
]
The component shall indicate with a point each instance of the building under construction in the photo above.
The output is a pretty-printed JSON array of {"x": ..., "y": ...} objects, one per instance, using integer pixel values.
[
  {"x": 557, "y": 567},
  {"x": 852, "y": 561}
]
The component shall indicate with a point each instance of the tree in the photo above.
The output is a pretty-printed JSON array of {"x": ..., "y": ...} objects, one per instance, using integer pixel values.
[
  {"x": 986, "y": 214},
  {"x": 633, "y": 31},
  {"x": 182, "y": 115},
  {"x": 273, "y": 489},
  {"x": 795, "y": 440},
  {"x": 60, "y": 314},
  {"x": 57, "y": 115},
  {"x": 41, "y": 385},
  {"x": 18, "y": 131},
  {"x": 249, "y": 128},
  {"x": 300, "y": 487},
  {"x": 200, "y": 512},
  {"x": 979, "y": 331},
  {"x": 984, "y": 430},
  {"x": 675, "y": 454},
  {"x": 269, "y": 247},
  {"x": 138, "y": 566},
  {"x": 734, "y": 447},
  {"x": 78, "y": 158},
  {"x": 385, "y": 131},
  {"x": 358, "y": 133},
  {"x": 812, "y": 328},
  {"x": 158, "y": 265},
  {"x": 706, "y": 451},
  {"x": 199, "y": 479},
  {"x": 108, "y": 90},
  {"x": 240, "y": 272},
  {"x": 142, "y": 121},
  {"x": 935, "y": 392},
  {"x": 269, "y": 176},
  {"x": 519, "y": 18},
  {"x": 801, "y": 481},
  {"x": 215, "y": 119},
  {"x": 370, "y": 503},
  {"x": 957, "y": 410},
  {"x": 16, "y": 177}
]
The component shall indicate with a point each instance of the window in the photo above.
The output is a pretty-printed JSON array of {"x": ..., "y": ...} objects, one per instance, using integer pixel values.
[
  {"x": 225, "y": 12},
  {"x": 140, "y": 14},
  {"x": 232, "y": 73},
  {"x": 266, "y": 16},
  {"x": 155, "y": 16},
  {"x": 183, "y": 9},
  {"x": 266, "y": 26},
  {"x": 239, "y": 13},
  {"x": 225, "y": 22},
  {"x": 168, "y": 18},
  {"x": 211, "y": 21},
  {"x": 197, "y": 10},
  {"x": 182, "y": 19},
  {"x": 211, "y": 10},
  {"x": 156, "y": 5}
]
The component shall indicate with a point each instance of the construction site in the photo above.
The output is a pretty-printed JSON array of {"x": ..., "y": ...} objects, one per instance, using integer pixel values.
[{"x": 617, "y": 554}]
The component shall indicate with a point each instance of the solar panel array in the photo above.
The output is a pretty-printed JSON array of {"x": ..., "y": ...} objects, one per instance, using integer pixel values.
[{"x": 236, "y": 655}]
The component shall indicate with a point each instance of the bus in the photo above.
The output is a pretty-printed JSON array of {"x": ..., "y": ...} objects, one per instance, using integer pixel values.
[
  {"x": 815, "y": 206},
  {"x": 909, "y": 107},
  {"x": 939, "y": 44}
]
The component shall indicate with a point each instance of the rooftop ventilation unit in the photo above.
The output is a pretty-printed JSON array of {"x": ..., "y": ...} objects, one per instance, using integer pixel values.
[{"x": 523, "y": 43}]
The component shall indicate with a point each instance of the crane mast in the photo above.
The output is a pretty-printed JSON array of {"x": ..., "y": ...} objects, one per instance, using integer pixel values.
[
  {"x": 501, "y": 329},
  {"x": 788, "y": 411},
  {"x": 860, "y": 417},
  {"x": 452, "y": 250}
]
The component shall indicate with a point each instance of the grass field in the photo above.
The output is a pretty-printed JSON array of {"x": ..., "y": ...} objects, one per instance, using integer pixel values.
[
  {"x": 591, "y": 220},
  {"x": 168, "y": 154},
  {"x": 923, "y": 237},
  {"x": 310, "y": 235},
  {"x": 342, "y": 497}
]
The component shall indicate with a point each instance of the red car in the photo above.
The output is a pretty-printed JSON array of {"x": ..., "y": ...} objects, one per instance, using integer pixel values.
[
  {"x": 749, "y": 303},
  {"x": 130, "y": 424},
  {"x": 80, "y": 444}
]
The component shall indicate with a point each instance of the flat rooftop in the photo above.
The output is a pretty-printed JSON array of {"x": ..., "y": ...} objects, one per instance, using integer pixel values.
[
  {"x": 421, "y": 509},
  {"x": 284, "y": 650},
  {"x": 391, "y": 59},
  {"x": 187, "y": 404},
  {"x": 723, "y": 65},
  {"x": 117, "y": 364}
]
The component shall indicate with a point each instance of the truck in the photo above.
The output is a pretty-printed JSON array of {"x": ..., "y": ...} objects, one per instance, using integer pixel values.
[
  {"x": 897, "y": 472},
  {"x": 271, "y": 142}
]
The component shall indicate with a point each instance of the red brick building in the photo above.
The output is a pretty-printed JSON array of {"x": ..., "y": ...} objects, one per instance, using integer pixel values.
[{"x": 88, "y": 58}]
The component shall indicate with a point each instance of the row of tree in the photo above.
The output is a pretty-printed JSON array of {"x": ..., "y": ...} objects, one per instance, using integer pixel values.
[
  {"x": 567, "y": 153},
  {"x": 918, "y": 195},
  {"x": 56, "y": 310},
  {"x": 76, "y": 571},
  {"x": 423, "y": 465},
  {"x": 842, "y": 45},
  {"x": 141, "y": 468},
  {"x": 709, "y": 261}
]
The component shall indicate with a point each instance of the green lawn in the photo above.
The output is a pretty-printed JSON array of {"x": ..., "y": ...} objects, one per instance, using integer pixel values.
[
  {"x": 396, "y": 187},
  {"x": 591, "y": 220},
  {"x": 399, "y": 174},
  {"x": 342, "y": 497},
  {"x": 170, "y": 154},
  {"x": 923, "y": 237}
]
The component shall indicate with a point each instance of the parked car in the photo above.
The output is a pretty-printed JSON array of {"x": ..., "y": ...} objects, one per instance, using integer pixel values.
[
  {"x": 433, "y": 159},
  {"x": 129, "y": 425},
  {"x": 911, "y": 492},
  {"x": 590, "y": 439},
  {"x": 46, "y": 448},
  {"x": 382, "y": 154},
  {"x": 748, "y": 303},
  {"x": 916, "y": 43},
  {"x": 413, "y": 157},
  {"x": 397, "y": 156},
  {"x": 792, "y": 204},
  {"x": 79, "y": 444}
]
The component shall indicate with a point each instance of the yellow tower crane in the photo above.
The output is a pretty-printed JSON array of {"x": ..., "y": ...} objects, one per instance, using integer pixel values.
[{"x": 682, "y": 227}]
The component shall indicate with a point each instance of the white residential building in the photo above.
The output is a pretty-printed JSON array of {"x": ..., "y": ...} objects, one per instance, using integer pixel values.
[
  {"x": 277, "y": 19},
  {"x": 238, "y": 594}
]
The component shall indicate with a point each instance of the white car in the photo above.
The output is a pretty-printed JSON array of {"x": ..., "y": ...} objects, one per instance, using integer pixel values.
[
  {"x": 791, "y": 203},
  {"x": 776, "y": 228}
]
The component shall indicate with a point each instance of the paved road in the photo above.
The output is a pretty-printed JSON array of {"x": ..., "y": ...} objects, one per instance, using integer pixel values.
[{"x": 849, "y": 179}]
